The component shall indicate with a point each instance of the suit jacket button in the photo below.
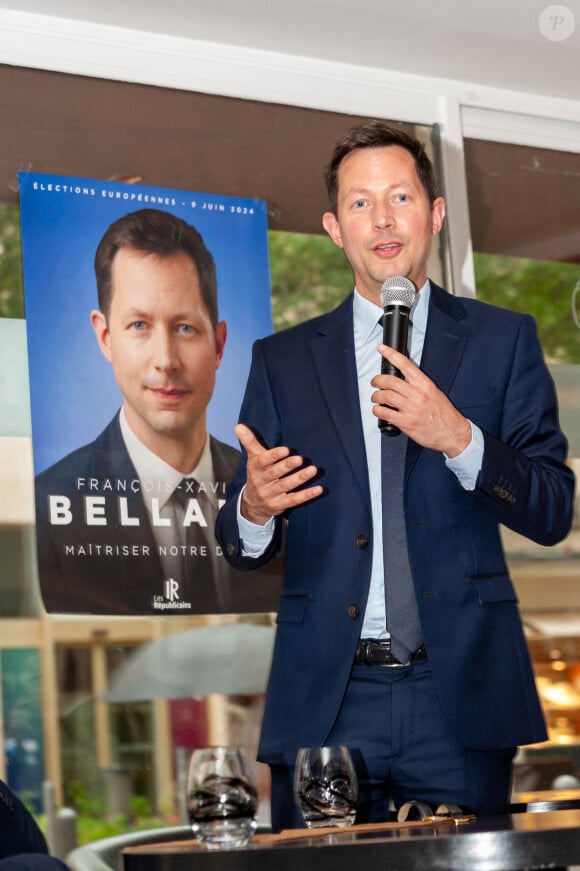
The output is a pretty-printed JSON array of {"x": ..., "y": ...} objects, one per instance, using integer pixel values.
[
  {"x": 504, "y": 494},
  {"x": 362, "y": 541},
  {"x": 231, "y": 550},
  {"x": 353, "y": 611}
]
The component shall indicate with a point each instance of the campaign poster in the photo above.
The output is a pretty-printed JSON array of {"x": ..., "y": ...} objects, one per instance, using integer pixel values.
[{"x": 142, "y": 305}]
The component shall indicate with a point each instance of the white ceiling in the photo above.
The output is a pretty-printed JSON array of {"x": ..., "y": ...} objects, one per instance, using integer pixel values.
[{"x": 497, "y": 43}]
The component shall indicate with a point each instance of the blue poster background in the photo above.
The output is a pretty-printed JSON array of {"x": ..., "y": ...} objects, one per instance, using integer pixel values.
[{"x": 72, "y": 388}]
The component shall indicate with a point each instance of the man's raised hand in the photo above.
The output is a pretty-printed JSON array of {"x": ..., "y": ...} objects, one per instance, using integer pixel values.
[{"x": 272, "y": 478}]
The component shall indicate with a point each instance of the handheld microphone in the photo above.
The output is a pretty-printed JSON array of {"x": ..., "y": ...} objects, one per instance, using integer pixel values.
[{"x": 397, "y": 298}]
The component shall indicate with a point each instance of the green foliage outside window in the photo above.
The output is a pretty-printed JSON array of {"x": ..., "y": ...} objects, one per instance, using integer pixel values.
[
  {"x": 542, "y": 289},
  {"x": 11, "y": 293},
  {"x": 310, "y": 276}
]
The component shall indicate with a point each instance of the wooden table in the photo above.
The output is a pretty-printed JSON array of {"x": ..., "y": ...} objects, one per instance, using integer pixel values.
[{"x": 506, "y": 843}]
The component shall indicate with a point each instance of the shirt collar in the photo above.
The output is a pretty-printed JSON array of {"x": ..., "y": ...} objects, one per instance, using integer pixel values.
[
  {"x": 420, "y": 310},
  {"x": 158, "y": 478},
  {"x": 366, "y": 314}
]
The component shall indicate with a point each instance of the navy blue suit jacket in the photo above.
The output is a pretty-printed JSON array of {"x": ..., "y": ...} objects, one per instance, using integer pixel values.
[
  {"x": 114, "y": 568},
  {"x": 302, "y": 392}
]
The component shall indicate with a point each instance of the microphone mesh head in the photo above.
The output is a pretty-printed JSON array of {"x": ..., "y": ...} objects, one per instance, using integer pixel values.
[{"x": 398, "y": 290}]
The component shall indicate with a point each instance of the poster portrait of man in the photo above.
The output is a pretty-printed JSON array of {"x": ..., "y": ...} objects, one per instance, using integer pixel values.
[{"x": 130, "y": 473}]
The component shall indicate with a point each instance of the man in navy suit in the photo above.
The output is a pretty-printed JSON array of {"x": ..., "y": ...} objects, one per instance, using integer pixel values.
[
  {"x": 477, "y": 412},
  {"x": 125, "y": 524}
]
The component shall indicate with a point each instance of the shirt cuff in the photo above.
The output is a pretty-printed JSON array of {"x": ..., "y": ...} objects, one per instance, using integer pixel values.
[
  {"x": 255, "y": 538},
  {"x": 467, "y": 466}
]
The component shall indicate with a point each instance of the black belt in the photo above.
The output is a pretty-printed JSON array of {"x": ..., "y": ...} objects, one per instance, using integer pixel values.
[{"x": 379, "y": 653}]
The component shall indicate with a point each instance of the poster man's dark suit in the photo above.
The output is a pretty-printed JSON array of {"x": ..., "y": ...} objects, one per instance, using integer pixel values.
[
  {"x": 115, "y": 568},
  {"x": 302, "y": 392}
]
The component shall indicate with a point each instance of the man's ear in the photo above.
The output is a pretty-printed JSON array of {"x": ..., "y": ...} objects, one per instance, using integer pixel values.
[
  {"x": 99, "y": 325},
  {"x": 221, "y": 334},
  {"x": 437, "y": 215},
  {"x": 332, "y": 227}
]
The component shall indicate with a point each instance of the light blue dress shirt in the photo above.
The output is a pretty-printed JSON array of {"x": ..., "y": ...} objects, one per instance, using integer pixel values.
[{"x": 368, "y": 334}]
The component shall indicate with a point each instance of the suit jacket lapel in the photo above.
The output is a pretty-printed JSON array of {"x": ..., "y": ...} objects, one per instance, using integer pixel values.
[
  {"x": 447, "y": 332},
  {"x": 111, "y": 460},
  {"x": 335, "y": 364}
]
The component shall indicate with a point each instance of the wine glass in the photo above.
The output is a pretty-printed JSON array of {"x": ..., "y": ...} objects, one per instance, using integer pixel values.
[
  {"x": 326, "y": 786},
  {"x": 221, "y": 797}
]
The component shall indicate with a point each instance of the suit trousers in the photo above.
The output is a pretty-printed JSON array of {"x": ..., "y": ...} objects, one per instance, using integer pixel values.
[{"x": 403, "y": 750}]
